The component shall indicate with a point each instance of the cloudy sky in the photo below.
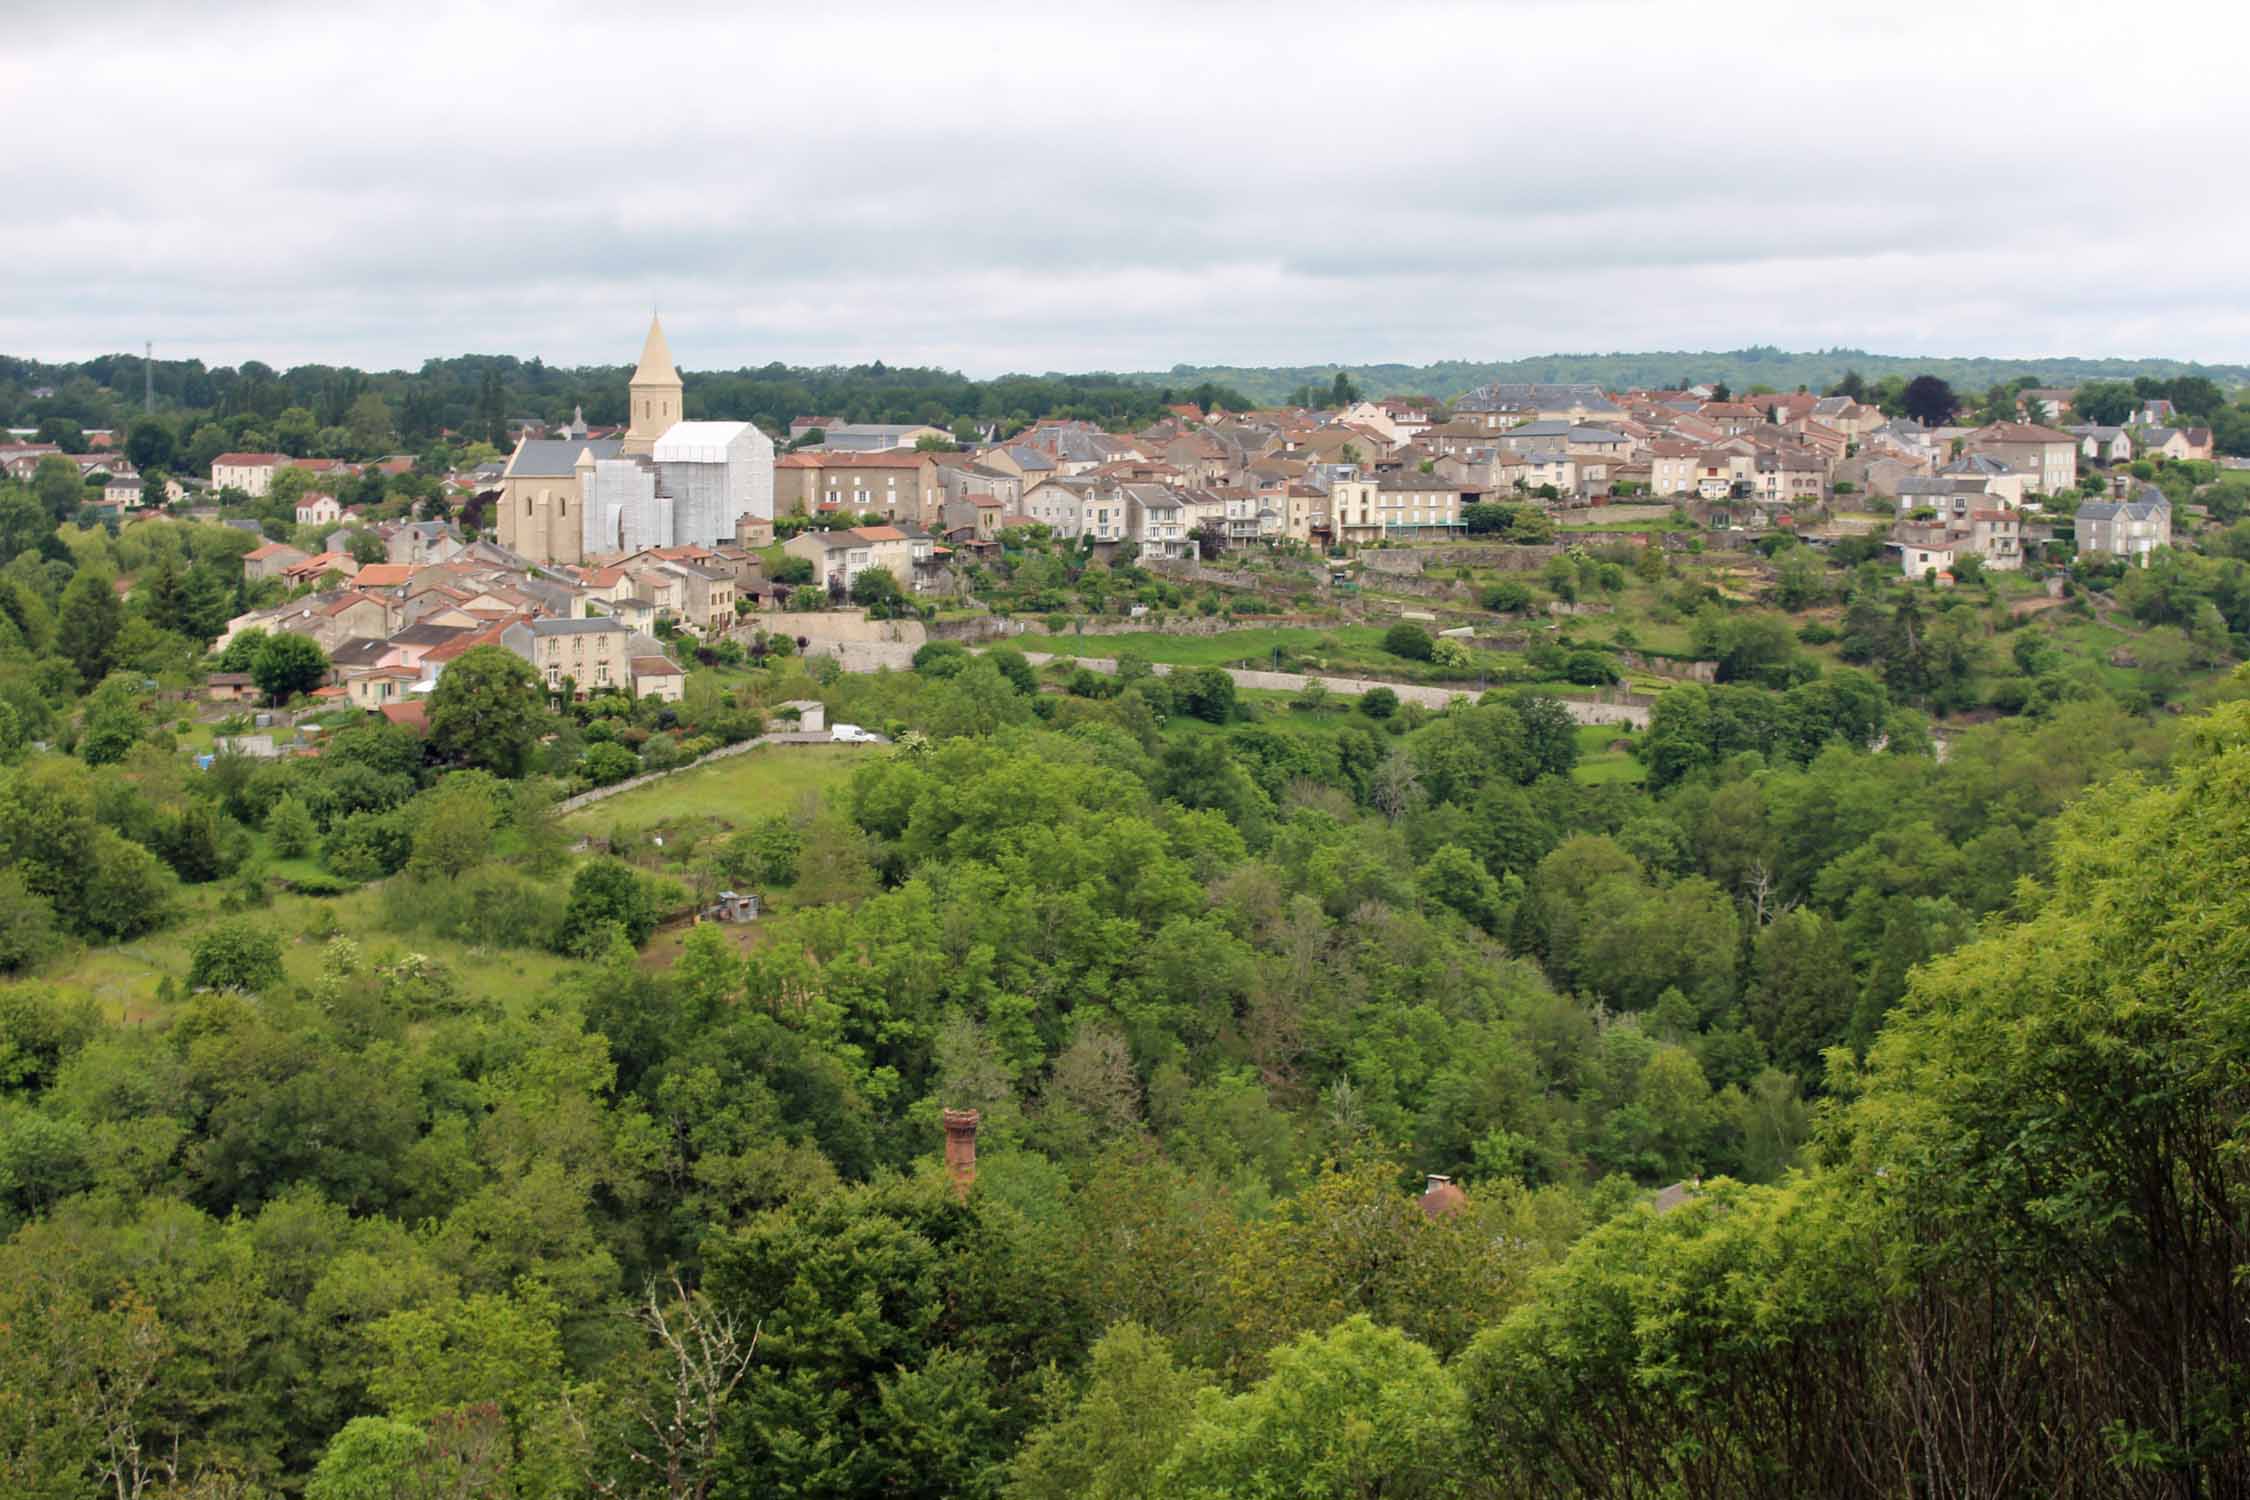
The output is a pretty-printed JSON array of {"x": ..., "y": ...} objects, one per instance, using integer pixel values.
[{"x": 1040, "y": 187}]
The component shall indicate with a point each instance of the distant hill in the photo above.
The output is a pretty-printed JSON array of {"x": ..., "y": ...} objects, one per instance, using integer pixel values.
[{"x": 1739, "y": 368}]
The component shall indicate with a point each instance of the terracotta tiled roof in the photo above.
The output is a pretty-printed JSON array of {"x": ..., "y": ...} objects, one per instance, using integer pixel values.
[{"x": 321, "y": 562}]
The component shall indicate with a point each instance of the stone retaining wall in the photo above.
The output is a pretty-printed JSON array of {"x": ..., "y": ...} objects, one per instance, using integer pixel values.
[
  {"x": 838, "y": 625},
  {"x": 1505, "y": 556}
]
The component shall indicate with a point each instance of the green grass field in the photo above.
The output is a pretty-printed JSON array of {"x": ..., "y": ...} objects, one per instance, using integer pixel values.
[
  {"x": 1277, "y": 712},
  {"x": 769, "y": 779},
  {"x": 1598, "y": 765},
  {"x": 123, "y": 980}
]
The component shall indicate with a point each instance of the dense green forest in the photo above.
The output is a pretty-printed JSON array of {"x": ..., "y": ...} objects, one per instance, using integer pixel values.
[
  {"x": 1780, "y": 369},
  {"x": 334, "y": 411},
  {"x": 1834, "y": 1116}
]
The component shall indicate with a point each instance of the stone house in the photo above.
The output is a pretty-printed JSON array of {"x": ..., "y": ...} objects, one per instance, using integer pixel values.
[
  {"x": 2048, "y": 458},
  {"x": 591, "y": 653}
]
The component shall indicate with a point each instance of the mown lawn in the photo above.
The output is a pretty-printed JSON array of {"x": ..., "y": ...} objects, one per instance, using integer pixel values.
[{"x": 769, "y": 779}]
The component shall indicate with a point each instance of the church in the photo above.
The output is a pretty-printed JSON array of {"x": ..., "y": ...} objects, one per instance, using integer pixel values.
[{"x": 665, "y": 483}]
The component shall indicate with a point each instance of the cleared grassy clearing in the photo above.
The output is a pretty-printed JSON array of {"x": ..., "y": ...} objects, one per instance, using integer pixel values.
[
  {"x": 1598, "y": 765},
  {"x": 124, "y": 980},
  {"x": 769, "y": 779}
]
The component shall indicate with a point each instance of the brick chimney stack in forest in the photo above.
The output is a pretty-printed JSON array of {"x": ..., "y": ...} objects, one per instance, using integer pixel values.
[{"x": 961, "y": 1149}]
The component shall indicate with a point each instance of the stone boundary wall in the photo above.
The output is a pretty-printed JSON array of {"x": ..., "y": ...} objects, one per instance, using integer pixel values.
[
  {"x": 1391, "y": 560},
  {"x": 836, "y": 625},
  {"x": 1613, "y": 707},
  {"x": 975, "y": 628}
]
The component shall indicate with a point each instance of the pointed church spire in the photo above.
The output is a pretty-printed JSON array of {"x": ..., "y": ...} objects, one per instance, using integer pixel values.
[{"x": 656, "y": 358}]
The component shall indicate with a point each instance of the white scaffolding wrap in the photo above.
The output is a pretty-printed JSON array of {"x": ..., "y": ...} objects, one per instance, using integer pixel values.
[{"x": 715, "y": 472}]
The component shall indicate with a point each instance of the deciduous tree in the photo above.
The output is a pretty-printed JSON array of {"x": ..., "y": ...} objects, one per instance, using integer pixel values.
[{"x": 486, "y": 711}]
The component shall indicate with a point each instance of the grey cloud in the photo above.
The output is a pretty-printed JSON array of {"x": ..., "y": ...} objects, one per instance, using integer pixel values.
[{"x": 1022, "y": 187}]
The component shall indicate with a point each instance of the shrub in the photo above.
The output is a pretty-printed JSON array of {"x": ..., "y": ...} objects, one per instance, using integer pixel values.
[
  {"x": 765, "y": 853},
  {"x": 1408, "y": 640},
  {"x": 504, "y": 908},
  {"x": 1206, "y": 692},
  {"x": 1378, "y": 703},
  {"x": 1452, "y": 654},
  {"x": 1014, "y": 666},
  {"x": 607, "y": 764},
  {"x": 941, "y": 659},
  {"x": 317, "y": 884},
  {"x": 1590, "y": 668},
  {"x": 27, "y": 924},
  {"x": 235, "y": 955},
  {"x": 290, "y": 827},
  {"x": 1506, "y": 597},
  {"x": 606, "y": 896},
  {"x": 663, "y": 753},
  {"x": 367, "y": 846}
]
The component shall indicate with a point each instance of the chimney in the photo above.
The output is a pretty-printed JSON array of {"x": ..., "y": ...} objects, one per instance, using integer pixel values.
[
  {"x": 1443, "y": 1197},
  {"x": 961, "y": 1149}
]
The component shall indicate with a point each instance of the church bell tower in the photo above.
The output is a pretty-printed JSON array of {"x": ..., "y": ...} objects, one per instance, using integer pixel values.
[{"x": 656, "y": 393}]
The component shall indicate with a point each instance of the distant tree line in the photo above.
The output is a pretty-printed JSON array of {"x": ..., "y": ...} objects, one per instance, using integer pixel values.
[{"x": 476, "y": 396}]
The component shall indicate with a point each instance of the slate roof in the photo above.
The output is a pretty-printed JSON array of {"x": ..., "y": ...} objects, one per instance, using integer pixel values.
[
  {"x": 1506, "y": 395},
  {"x": 602, "y": 625},
  {"x": 1980, "y": 463},
  {"x": 425, "y": 633},
  {"x": 552, "y": 458},
  {"x": 2150, "y": 504}
]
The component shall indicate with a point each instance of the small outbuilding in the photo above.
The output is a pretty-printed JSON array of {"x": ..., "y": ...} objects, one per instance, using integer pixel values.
[{"x": 733, "y": 906}]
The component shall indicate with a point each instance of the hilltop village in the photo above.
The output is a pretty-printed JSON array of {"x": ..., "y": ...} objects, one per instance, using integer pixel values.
[
  {"x": 861, "y": 932},
  {"x": 586, "y": 550}
]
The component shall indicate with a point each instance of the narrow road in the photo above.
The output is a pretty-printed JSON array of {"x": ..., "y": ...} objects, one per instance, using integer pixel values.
[{"x": 868, "y": 656}]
